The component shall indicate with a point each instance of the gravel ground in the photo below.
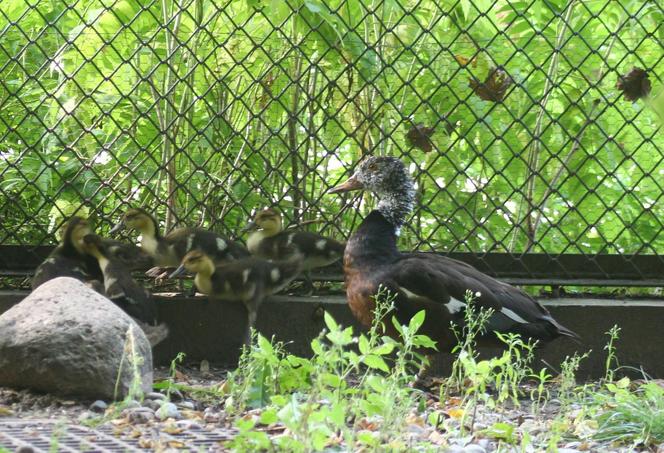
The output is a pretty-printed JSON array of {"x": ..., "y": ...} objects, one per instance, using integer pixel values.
[{"x": 199, "y": 423}]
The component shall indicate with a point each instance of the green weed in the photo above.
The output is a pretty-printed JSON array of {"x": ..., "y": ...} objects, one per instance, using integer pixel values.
[
  {"x": 350, "y": 383},
  {"x": 611, "y": 359},
  {"x": 631, "y": 417}
]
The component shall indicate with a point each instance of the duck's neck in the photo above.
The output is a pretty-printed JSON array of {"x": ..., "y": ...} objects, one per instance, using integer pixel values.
[
  {"x": 72, "y": 243},
  {"x": 376, "y": 238},
  {"x": 396, "y": 203},
  {"x": 203, "y": 278},
  {"x": 150, "y": 237},
  {"x": 374, "y": 241}
]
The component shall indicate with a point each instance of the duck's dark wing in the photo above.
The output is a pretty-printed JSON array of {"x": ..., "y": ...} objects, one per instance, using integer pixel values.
[
  {"x": 126, "y": 293},
  {"x": 445, "y": 281},
  {"x": 59, "y": 264},
  {"x": 220, "y": 248},
  {"x": 315, "y": 244},
  {"x": 132, "y": 256}
]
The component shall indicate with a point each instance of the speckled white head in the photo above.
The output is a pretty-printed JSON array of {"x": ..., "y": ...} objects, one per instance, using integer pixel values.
[{"x": 388, "y": 178}]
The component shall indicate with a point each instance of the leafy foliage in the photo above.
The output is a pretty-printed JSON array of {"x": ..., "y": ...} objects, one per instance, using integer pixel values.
[{"x": 207, "y": 109}]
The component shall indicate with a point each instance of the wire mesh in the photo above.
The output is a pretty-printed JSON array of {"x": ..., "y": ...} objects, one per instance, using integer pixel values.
[{"x": 523, "y": 122}]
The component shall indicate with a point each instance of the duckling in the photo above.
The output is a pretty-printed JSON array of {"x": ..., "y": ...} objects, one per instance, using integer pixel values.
[
  {"x": 168, "y": 251},
  {"x": 121, "y": 288},
  {"x": 269, "y": 240},
  {"x": 420, "y": 281},
  {"x": 249, "y": 280},
  {"x": 69, "y": 258}
]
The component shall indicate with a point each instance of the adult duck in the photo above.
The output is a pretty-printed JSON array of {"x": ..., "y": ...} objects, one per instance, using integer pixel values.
[{"x": 420, "y": 281}]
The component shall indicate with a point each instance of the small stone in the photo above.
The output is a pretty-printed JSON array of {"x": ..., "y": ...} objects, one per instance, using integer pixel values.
[
  {"x": 187, "y": 405},
  {"x": 205, "y": 366},
  {"x": 573, "y": 445},
  {"x": 86, "y": 415},
  {"x": 155, "y": 396},
  {"x": 211, "y": 416},
  {"x": 168, "y": 410},
  {"x": 98, "y": 406},
  {"x": 131, "y": 404},
  {"x": 484, "y": 443},
  {"x": 176, "y": 395},
  {"x": 153, "y": 404},
  {"x": 25, "y": 449},
  {"x": 473, "y": 448},
  {"x": 568, "y": 450},
  {"x": 455, "y": 449},
  {"x": 187, "y": 424},
  {"x": 139, "y": 415}
]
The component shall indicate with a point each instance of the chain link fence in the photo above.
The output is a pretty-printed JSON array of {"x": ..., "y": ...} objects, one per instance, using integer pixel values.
[{"x": 531, "y": 127}]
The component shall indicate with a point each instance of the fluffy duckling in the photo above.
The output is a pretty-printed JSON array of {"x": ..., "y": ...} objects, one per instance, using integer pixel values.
[
  {"x": 122, "y": 289},
  {"x": 420, "y": 281},
  {"x": 269, "y": 240},
  {"x": 249, "y": 280},
  {"x": 70, "y": 259},
  {"x": 168, "y": 250}
]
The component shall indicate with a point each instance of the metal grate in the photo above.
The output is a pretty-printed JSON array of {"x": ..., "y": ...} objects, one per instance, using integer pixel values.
[
  {"x": 49, "y": 435},
  {"x": 508, "y": 112}
]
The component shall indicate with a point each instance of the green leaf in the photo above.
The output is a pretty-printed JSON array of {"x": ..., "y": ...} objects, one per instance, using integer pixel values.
[
  {"x": 330, "y": 322},
  {"x": 331, "y": 380},
  {"x": 423, "y": 341},
  {"x": 374, "y": 361},
  {"x": 341, "y": 337},
  {"x": 265, "y": 345},
  {"x": 502, "y": 431},
  {"x": 384, "y": 349},
  {"x": 416, "y": 321},
  {"x": 269, "y": 416},
  {"x": 363, "y": 344}
]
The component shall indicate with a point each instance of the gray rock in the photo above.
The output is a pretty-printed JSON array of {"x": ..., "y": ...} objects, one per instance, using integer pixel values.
[
  {"x": 25, "y": 449},
  {"x": 568, "y": 450},
  {"x": 473, "y": 448},
  {"x": 176, "y": 395},
  {"x": 155, "y": 396},
  {"x": 211, "y": 416},
  {"x": 65, "y": 338},
  {"x": 153, "y": 404},
  {"x": 168, "y": 410},
  {"x": 131, "y": 404},
  {"x": 98, "y": 406},
  {"x": 86, "y": 415},
  {"x": 188, "y": 424},
  {"x": 186, "y": 405},
  {"x": 455, "y": 449},
  {"x": 139, "y": 415}
]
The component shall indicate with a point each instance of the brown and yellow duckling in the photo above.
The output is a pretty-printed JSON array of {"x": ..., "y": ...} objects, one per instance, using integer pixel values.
[
  {"x": 269, "y": 240},
  {"x": 248, "y": 280},
  {"x": 124, "y": 291},
  {"x": 169, "y": 250},
  {"x": 70, "y": 259}
]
